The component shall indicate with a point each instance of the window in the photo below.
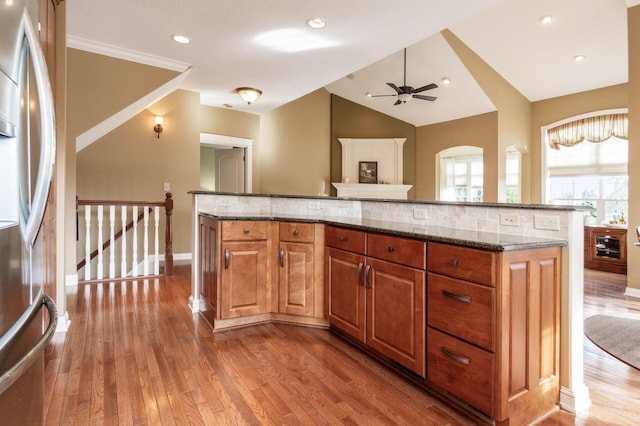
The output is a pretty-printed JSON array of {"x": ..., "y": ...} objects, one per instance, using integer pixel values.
[
  {"x": 513, "y": 177},
  {"x": 593, "y": 174},
  {"x": 461, "y": 174}
]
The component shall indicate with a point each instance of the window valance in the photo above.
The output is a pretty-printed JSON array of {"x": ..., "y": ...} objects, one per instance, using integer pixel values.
[{"x": 593, "y": 129}]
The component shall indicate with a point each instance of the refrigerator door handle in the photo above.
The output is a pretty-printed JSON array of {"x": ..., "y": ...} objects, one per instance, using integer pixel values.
[{"x": 12, "y": 374}]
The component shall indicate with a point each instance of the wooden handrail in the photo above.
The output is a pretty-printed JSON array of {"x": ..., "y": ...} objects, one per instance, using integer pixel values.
[{"x": 168, "y": 206}]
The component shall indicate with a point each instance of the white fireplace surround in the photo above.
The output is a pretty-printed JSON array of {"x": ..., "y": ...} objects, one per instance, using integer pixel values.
[{"x": 387, "y": 153}]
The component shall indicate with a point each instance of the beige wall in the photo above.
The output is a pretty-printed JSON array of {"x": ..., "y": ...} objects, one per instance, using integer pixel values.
[
  {"x": 226, "y": 122},
  {"x": 351, "y": 120},
  {"x": 633, "y": 262},
  {"x": 479, "y": 130},
  {"x": 294, "y": 149},
  {"x": 130, "y": 163},
  {"x": 207, "y": 168}
]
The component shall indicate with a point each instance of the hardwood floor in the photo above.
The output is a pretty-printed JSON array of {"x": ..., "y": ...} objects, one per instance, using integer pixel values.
[{"x": 136, "y": 355}]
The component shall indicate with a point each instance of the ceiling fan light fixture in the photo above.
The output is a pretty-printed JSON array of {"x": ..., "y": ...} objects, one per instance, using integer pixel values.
[
  {"x": 404, "y": 97},
  {"x": 248, "y": 94}
]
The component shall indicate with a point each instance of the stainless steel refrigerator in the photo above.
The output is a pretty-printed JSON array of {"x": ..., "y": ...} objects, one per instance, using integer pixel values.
[{"x": 27, "y": 145}]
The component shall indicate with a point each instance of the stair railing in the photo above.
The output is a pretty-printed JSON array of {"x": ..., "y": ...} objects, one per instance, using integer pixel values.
[{"x": 132, "y": 238}]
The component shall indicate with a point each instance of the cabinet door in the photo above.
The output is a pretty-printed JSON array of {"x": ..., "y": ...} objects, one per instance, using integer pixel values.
[
  {"x": 296, "y": 275},
  {"x": 396, "y": 313},
  {"x": 244, "y": 278},
  {"x": 208, "y": 276},
  {"x": 345, "y": 284}
]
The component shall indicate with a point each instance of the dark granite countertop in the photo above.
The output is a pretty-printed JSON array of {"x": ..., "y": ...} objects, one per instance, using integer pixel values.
[{"x": 474, "y": 239}]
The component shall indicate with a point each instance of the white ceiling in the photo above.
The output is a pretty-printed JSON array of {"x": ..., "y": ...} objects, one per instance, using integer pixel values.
[{"x": 364, "y": 38}]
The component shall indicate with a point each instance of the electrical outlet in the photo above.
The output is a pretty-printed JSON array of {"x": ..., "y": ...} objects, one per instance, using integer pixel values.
[
  {"x": 510, "y": 220},
  {"x": 224, "y": 202},
  {"x": 166, "y": 187},
  {"x": 551, "y": 223},
  {"x": 314, "y": 205},
  {"x": 419, "y": 213}
]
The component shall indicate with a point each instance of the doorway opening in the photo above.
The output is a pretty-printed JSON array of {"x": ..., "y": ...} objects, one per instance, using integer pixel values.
[{"x": 225, "y": 163}]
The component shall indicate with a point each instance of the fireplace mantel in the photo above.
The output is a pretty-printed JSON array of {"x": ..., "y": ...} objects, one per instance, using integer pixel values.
[{"x": 367, "y": 190}]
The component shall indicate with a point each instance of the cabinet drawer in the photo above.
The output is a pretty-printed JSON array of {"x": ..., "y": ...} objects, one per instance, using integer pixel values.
[
  {"x": 296, "y": 232},
  {"x": 244, "y": 230},
  {"x": 462, "y": 262},
  {"x": 462, "y": 369},
  {"x": 345, "y": 239},
  {"x": 398, "y": 250},
  {"x": 462, "y": 309}
]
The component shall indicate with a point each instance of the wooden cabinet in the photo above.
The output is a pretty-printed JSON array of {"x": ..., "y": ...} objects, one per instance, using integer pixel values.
[
  {"x": 244, "y": 273},
  {"x": 209, "y": 248},
  {"x": 605, "y": 249},
  {"x": 300, "y": 275},
  {"x": 377, "y": 293},
  {"x": 493, "y": 329}
]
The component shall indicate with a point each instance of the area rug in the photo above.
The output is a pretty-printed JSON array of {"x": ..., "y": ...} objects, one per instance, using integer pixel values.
[{"x": 619, "y": 337}]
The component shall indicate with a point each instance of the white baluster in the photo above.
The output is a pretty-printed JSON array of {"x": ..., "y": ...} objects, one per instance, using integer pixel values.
[
  {"x": 100, "y": 260},
  {"x": 112, "y": 242},
  {"x": 145, "y": 256},
  {"x": 156, "y": 264},
  {"x": 123, "y": 263},
  {"x": 87, "y": 243},
  {"x": 134, "y": 244}
]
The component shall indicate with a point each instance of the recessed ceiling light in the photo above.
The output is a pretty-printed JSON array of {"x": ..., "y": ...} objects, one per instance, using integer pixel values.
[
  {"x": 316, "y": 23},
  {"x": 546, "y": 19},
  {"x": 181, "y": 39},
  {"x": 369, "y": 95},
  {"x": 227, "y": 105},
  {"x": 351, "y": 76},
  {"x": 446, "y": 81},
  {"x": 579, "y": 58}
]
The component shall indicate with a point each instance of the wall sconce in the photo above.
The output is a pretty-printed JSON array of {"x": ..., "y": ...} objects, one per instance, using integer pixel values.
[
  {"x": 248, "y": 94},
  {"x": 158, "y": 127}
]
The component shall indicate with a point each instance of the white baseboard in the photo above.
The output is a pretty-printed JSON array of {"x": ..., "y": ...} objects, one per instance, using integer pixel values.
[
  {"x": 632, "y": 292},
  {"x": 196, "y": 305},
  {"x": 63, "y": 323},
  {"x": 574, "y": 402}
]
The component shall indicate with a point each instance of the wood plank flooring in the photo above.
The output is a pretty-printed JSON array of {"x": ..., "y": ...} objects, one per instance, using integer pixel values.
[{"x": 136, "y": 355}]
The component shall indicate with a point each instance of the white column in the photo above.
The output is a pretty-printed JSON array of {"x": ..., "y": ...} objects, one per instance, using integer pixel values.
[
  {"x": 134, "y": 244},
  {"x": 156, "y": 262},
  {"x": 145, "y": 254},
  {"x": 123, "y": 262},
  {"x": 87, "y": 242},
  {"x": 100, "y": 273},
  {"x": 112, "y": 242}
]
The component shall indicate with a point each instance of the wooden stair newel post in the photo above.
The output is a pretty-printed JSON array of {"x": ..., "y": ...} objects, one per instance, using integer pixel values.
[{"x": 168, "y": 257}]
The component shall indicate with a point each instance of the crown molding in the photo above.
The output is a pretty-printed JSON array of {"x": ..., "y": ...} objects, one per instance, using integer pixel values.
[{"x": 126, "y": 54}]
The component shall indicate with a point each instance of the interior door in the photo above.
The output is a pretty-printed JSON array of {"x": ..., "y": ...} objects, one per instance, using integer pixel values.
[{"x": 230, "y": 170}]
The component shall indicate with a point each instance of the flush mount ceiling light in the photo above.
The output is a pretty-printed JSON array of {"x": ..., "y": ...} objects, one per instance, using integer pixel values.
[
  {"x": 248, "y": 94},
  {"x": 316, "y": 23},
  {"x": 545, "y": 20},
  {"x": 181, "y": 39}
]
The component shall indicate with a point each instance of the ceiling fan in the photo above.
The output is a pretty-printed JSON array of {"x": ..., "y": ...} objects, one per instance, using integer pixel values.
[{"x": 404, "y": 92}]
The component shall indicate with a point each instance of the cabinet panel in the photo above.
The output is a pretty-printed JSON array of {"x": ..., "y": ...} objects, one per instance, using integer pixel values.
[
  {"x": 462, "y": 309},
  {"x": 346, "y": 239},
  {"x": 395, "y": 313},
  {"x": 208, "y": 267},
  {"x": 244, "y": 230},
  {"x": 296, "y": 278},
  {"x": 244, "y": 279},
  {"x": 346, "y": 292},
  {"x": 462, "y": 262},
  {"x": 462, "y": 369},
  {"x": 398, "y": 250}
]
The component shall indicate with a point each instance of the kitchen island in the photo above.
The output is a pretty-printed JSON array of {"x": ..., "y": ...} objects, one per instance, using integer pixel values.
[{"x": 441, "y": 292}]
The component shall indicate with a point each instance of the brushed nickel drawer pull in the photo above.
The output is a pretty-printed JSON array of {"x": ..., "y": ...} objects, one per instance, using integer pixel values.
[
  {"x": 458, "y": 297},
  {"x": 246, "y": 231},
  {"x": 282, "y": 258},
  {"x": 453, "y": 262},
  {"x": 460, "y": 359},
  {"x": 226, "y": 258},
  {"x": 391, "y": 249}
]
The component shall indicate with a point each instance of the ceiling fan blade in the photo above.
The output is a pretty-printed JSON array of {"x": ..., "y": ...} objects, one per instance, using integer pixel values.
[
  {"x": 398, "y": 102},
  {"x": 379, "y": 96},
  {"x": 394, "y": 87},
  {"x": 427, "y": 87},
  {"x": 425, "y": 98}
]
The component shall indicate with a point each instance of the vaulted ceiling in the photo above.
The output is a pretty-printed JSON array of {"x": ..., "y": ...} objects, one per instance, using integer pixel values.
[{"x": 266, "y": 44}]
